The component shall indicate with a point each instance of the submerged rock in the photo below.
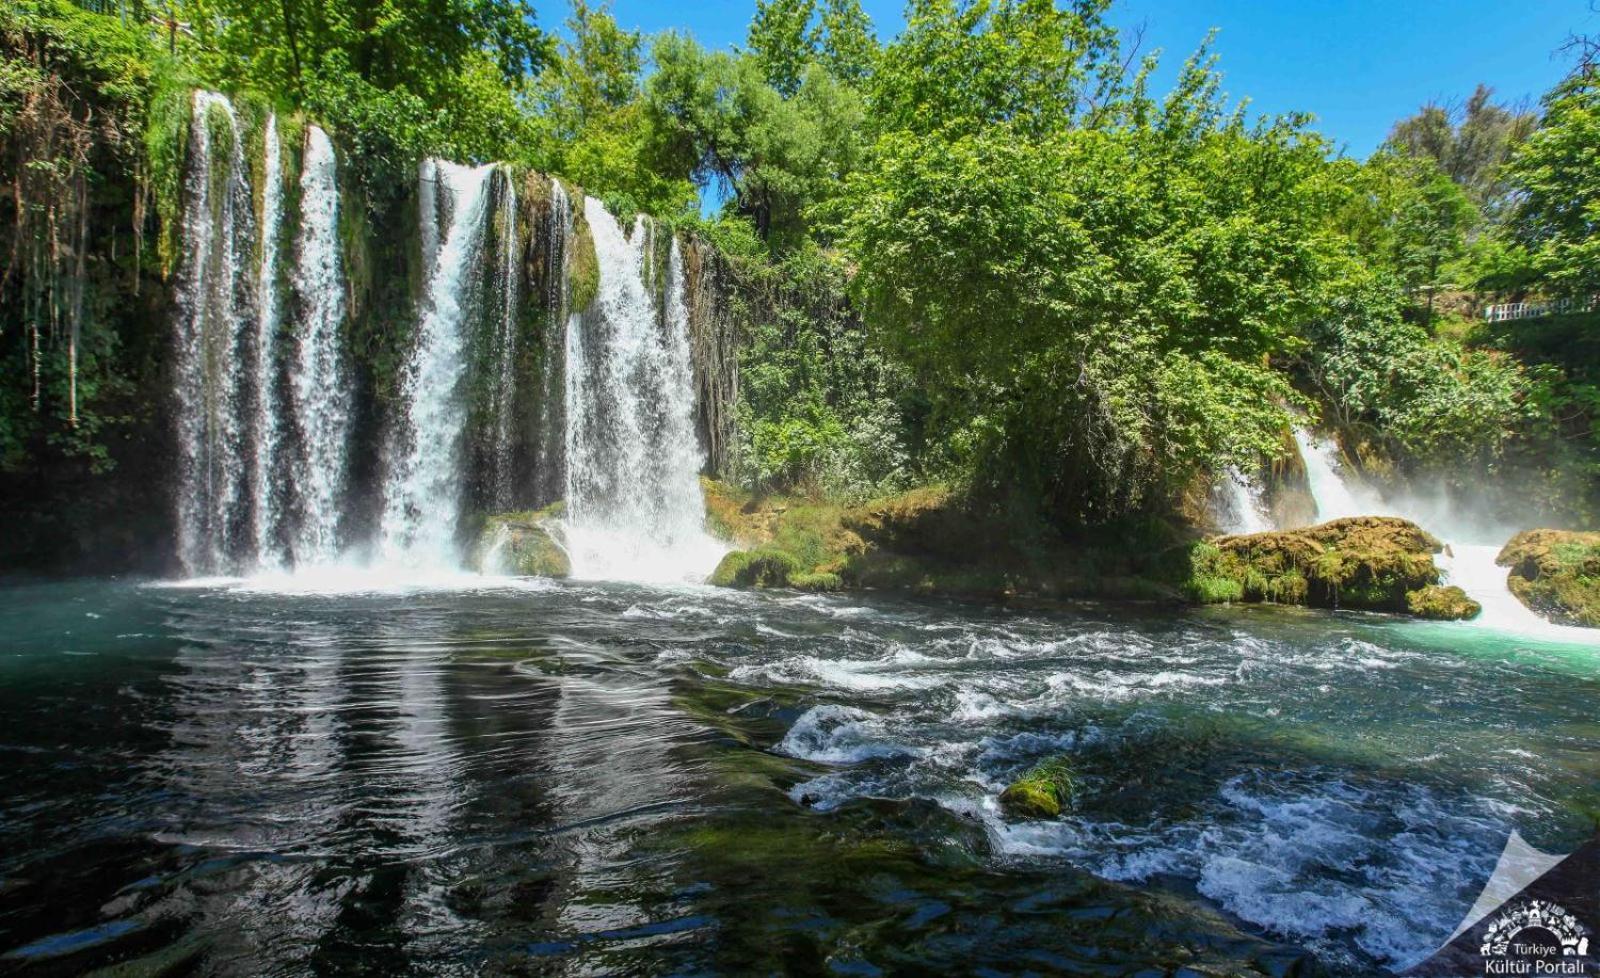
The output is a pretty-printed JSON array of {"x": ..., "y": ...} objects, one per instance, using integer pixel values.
[
  {"x": 1442, "y": 603},
  {"x": 1043, "y": 792},
  {"x": 1370, "y": 562},
  {"x": 1556, "y": 573},
  {"x": 522, "y": 543}
]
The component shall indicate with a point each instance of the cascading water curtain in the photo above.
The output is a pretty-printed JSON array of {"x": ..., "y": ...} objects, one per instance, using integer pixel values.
[
  {"x": 423, "y": 491},
  {"x": 262, "y": 390},
  {"x": 264, "y": 461},
  {"x": 503, "y": 390},
  {"x": 635, "y": 510},
  {"x": 320, "y": 393},
  {"x": 551, "y": 466},
  {"x": 216, "y": 347}
]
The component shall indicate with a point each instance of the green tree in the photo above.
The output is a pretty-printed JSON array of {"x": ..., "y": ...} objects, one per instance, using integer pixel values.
[
  {"x": 849, "y": 49},
  {"x": 1470, "y": 142},
  {"x": 1105, "y": 299},
  {"x": 592, "y": 122},
  {"x": 783, "y": 41},
  {"x": 959, "y": 67},
  {"x": 1428, "y": 400},
  {"x": 714, "y": 116},
  {"x": 1409, "y": 216},
  {"x": 1558, "y": 174},
  {"x": 402, "y": 77}
]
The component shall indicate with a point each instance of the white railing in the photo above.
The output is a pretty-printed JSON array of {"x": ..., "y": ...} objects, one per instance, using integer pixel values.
[{"x": 1529, "y": 310}]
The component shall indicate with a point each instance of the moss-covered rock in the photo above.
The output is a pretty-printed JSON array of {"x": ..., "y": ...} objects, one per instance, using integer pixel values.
[
  {"x": 1370, "y": 562},
  {"x": 523, "y": 543},
  {"x": 583, "y": 269},
  {"x": 816, "y": 581},
  {"x": 1442, "y": 603},
  {"x": 1556, "y": 573},
  {"x": 1044, "y": 792},
  {"x": 766, "y": 567}
]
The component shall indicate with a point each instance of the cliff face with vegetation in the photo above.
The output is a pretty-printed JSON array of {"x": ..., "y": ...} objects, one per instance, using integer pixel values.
[{"x": 981, "y": 255}]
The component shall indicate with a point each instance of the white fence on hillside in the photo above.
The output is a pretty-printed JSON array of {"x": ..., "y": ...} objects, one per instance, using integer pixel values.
[{"x": 1529, "y": 310}]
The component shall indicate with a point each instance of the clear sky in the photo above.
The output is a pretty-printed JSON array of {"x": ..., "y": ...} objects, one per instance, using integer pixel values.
[{"x": 1358, "y": 65}]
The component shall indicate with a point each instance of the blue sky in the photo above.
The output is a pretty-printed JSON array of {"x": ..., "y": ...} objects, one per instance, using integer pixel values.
[{"x": 1358, "y": 65}]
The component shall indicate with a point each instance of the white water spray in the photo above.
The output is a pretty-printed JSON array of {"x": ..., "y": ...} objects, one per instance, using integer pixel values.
[
  {"x": 422, "y": 497},
  {"x": 214, "y": 330},
  {"x": 321, "y": 390},
  {"x": 635, "y": 510},
  {"x": 269, "y": 436},
  {"x": 1236, "y": 499},
  {"x": 1468, "y": 561}
]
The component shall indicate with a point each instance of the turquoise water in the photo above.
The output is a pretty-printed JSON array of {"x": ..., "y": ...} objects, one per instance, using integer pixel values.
[{"x": 502, "y": 776}]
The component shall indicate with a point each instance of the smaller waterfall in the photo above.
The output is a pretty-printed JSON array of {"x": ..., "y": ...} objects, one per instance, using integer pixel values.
[
  {"x": 551, "y": 468},
  {"x": 502, "y": 453},
  {"x": 422, "y": 495},
  {"x": 1236, "y": 500},
  {"x": 635, "y": 510},
  {"x": 1472, "y": 568},
  {"x": 269, "y": 436},
  {"x": 321, "y": 389},
  {"x": 215, "y": 348},
  {"x": 1466, "y": 562},
  {"x": 1335, "y": 498}
]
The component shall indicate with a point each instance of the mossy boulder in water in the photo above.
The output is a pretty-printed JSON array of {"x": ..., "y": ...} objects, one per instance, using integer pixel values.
[
  {"x": 766, "y": 567},
  {"x": 1044, "y": 792},
  {"x": 521, "y": 543},
  {"x": 1369, "y": 562},
  {"x": 1556, "y": 573},
  {"x": 1442, "y": 603}
]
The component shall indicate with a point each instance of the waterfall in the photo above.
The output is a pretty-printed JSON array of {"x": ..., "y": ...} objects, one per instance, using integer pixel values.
[
  {"x": 269, "y": 437},
  {"x": 502, "y": 452},
  {"x": 215, "y": 348},
  {"x": 1236, "y": 500},
  {"x": 1468, "y": 561},
  {"x": 422, "y": 495},
  {"x": 635, "y": 510},
  {"x": 551, "y": 469},
  {"x": 1334, "y": 497},
  {"x": 320, "y": 406},
  {"x": 597, "y": 408}
]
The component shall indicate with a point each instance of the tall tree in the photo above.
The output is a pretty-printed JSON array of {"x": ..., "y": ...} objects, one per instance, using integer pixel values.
[
  {"x": 1558, "y": 174},
  {"x": 959, "y": 67},
  {"x": 783, "y": 41},
  {"x": 774, "y": 158},
  {"x": 849, "y": 49},
  {"x": 592, "y": 119},
  {"x": 1471, "y": 142}
]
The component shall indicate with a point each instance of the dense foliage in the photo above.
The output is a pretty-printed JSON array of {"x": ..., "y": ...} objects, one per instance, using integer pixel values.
[{"x": 983, "y": 253}]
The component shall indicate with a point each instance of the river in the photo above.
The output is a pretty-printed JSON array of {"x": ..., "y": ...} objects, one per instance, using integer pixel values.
[{"x": 510, "y": 776}]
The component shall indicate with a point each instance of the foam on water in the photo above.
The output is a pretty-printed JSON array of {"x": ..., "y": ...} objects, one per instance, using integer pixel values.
[
  {"x": 1305, "y": 855},
  {"x": 345, "y": 579}
]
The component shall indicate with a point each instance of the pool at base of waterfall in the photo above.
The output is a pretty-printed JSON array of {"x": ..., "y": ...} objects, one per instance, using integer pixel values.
[{"x": 512, "y": 776}]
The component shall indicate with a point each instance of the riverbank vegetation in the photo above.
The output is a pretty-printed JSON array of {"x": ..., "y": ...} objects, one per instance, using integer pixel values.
[{"x": 984, "y": 254}]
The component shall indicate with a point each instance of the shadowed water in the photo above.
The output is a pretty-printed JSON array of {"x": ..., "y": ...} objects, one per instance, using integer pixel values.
[{"x": 521, "y": 777}]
